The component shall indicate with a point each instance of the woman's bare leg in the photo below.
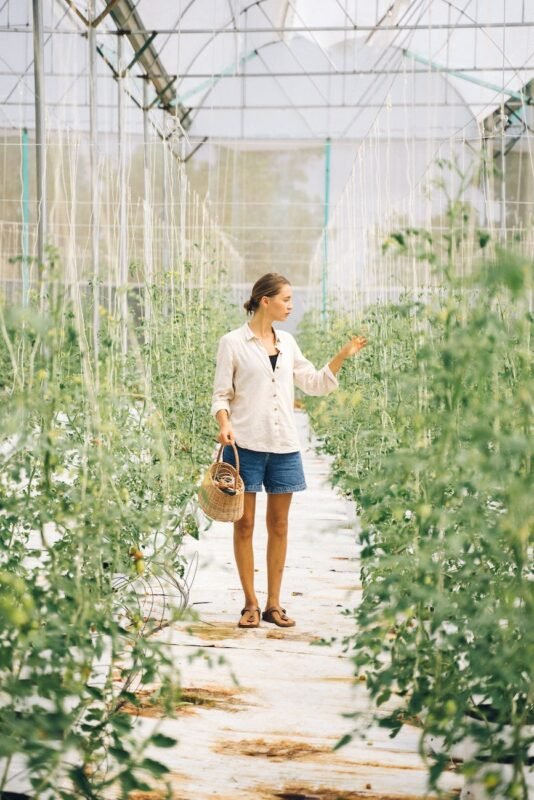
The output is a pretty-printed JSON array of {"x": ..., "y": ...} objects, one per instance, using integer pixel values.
[
  {"x": 244, "y": 553},
  {"x": 277, "y": 525}
]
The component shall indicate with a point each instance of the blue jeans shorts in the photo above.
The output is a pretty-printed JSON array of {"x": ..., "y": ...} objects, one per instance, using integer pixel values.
[{"x": 280, "y": 473}]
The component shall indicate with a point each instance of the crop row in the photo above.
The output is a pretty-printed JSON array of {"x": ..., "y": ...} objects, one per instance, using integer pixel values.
[
  {"x": 99, "y": 464},
  {"x": 431, "y": 435}
]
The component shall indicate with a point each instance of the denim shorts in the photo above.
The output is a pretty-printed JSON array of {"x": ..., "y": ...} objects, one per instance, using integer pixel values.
[{"x": 280, "y": 473}]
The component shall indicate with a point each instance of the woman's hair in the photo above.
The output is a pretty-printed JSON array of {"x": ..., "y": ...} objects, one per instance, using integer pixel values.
[{"x": 267, "y": 286}]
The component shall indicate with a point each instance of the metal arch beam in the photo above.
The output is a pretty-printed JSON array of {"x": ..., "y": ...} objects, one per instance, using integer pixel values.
[
  {"x": 212, "y": 76},
  {"x": 255, "y": 52},
  {"x": 299, "y": 29},
  {"x": 211, "y": 80},
  {"x": 72, "y": 5},
  {"x": 91, "y": 23},
  {"x": 194, "y": 111},
  {"x": 390, "y": 14},
  {"x": 214, "y": 33},
  {"x": 140, "y": 52},
  {"x": 195, "y": 149},
  {"x": 273, "y": 107},
  {"x": 514, "y": 107},
  {"x": 285, "y": 11},
  {"x": 458, "y": 74},
  {"x": 130, "y": 24},
  {"x": 104, "y": 13},
  {"x": 125, "y": 16}
]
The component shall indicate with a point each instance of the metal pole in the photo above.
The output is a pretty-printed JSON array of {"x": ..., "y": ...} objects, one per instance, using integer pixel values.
[
  {"x": 327, "y": 155},
  {"x": 40, "y": 131},
  {"x": 147, "y": 214},
  {"x": 503, "y": 177},
  {"x": 527, "y": 175},
  {"x": 183, "y": 218},
  {"x": 95, "y": 211},
  {"x": 25, "y": 219},
  {"x": 122, "y": 283},
  {"x": 270, "y": 29},
  {"x": 165, "y": 200},
  {"x": 466, "y": 76}
]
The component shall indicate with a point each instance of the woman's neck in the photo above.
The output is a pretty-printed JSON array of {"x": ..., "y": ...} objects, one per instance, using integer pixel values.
[{"x": 261, "y": 325}]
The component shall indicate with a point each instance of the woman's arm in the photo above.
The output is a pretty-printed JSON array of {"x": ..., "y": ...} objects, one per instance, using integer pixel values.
[
  {"x": 350, "y": 349},
  {"x": 223, "y": 391}
]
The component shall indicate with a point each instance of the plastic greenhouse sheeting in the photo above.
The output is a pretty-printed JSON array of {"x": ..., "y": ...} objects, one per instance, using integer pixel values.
[{"x": 289, "y": 68}]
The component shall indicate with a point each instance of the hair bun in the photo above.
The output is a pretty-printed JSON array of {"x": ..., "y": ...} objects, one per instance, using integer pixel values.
[{"x": 267, "y": 286}]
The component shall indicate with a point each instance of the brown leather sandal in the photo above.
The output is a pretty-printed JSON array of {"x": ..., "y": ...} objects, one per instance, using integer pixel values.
[
  {"x": 281, "y": 619},
  {"x": 252, "y": 611}
]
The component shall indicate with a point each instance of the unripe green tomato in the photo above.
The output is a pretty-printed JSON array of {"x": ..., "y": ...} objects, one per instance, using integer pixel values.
[
  {"x": 27, "y": 602},
  {"x": 451, "y": 708},
  {"x": 18, "y": 616},
  {"x": 492, "y": 780},
  {"x": 424, "y": 511}
]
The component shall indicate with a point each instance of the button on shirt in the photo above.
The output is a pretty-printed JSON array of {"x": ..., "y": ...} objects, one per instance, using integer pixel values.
[{"x": 260, "y": 401}]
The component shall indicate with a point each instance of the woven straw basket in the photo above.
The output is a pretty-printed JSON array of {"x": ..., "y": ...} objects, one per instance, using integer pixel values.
[{"x": 222, "y": 492}]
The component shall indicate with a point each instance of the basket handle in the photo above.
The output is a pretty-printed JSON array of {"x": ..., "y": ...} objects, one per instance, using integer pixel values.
[{"x": 236, "y": 454}]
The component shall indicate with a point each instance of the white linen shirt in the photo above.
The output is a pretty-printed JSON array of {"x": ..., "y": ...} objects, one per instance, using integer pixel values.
[{"x": 258, "y": 399}]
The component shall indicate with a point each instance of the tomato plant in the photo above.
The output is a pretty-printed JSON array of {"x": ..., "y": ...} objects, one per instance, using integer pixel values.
[
  {"x": 100, "y": 459},
  {"x": 432, "y": 437}
]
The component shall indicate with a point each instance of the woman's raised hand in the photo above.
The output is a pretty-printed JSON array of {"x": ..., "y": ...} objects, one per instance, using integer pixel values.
[{"x": 354, "y": 345}]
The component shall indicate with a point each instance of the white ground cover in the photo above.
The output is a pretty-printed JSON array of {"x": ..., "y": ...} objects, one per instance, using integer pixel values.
[{"x": 272, "y": 734}]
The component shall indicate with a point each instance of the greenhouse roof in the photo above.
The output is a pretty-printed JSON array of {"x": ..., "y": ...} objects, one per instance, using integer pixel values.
[{"x": 281, "y": 69}]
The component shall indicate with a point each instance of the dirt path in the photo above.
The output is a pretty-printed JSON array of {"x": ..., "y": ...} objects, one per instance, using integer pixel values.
[{"x": 271, "y": 736}]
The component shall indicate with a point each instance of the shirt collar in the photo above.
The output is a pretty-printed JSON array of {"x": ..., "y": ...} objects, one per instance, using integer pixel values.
[{"x": 249, "y": 334}]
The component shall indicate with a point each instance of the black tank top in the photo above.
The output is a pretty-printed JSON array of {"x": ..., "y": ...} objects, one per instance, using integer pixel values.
[{"x": 272, "y": 359}]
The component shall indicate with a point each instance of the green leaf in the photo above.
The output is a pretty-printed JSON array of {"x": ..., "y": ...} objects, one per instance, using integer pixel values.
[
  {"x": 121, "y": 722},
  {"x": 119, "y": 754},
  {"x": 156, "y": 768},
  {"x": 79, "y": 778},
  {"x": 483, "y": 238},
  {"x": 160, "y": 740},
  {"x": 94, "y": 691},
  {"x": 383, "y": 698},
  {"x": 129, "y": 782},
  {"x": 439, "y": 766},
  {"x": 343, "y": 741}
]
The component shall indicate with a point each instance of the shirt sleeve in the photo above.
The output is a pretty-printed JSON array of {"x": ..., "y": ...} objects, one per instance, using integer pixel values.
[
  {"x": 223, "y": 384},
  {"x": 310, "y": 380}
]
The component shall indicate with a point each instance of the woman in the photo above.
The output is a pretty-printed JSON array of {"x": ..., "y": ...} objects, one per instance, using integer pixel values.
[{"x": 253, "y": 398}]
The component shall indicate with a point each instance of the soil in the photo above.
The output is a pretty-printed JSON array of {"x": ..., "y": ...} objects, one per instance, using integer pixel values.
[
  {"x": 301, "y": 792},
  {"x": 213, "y": 631},
  {"x": 280, "y": 750},
  {"x": 191, "y": 697}
]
